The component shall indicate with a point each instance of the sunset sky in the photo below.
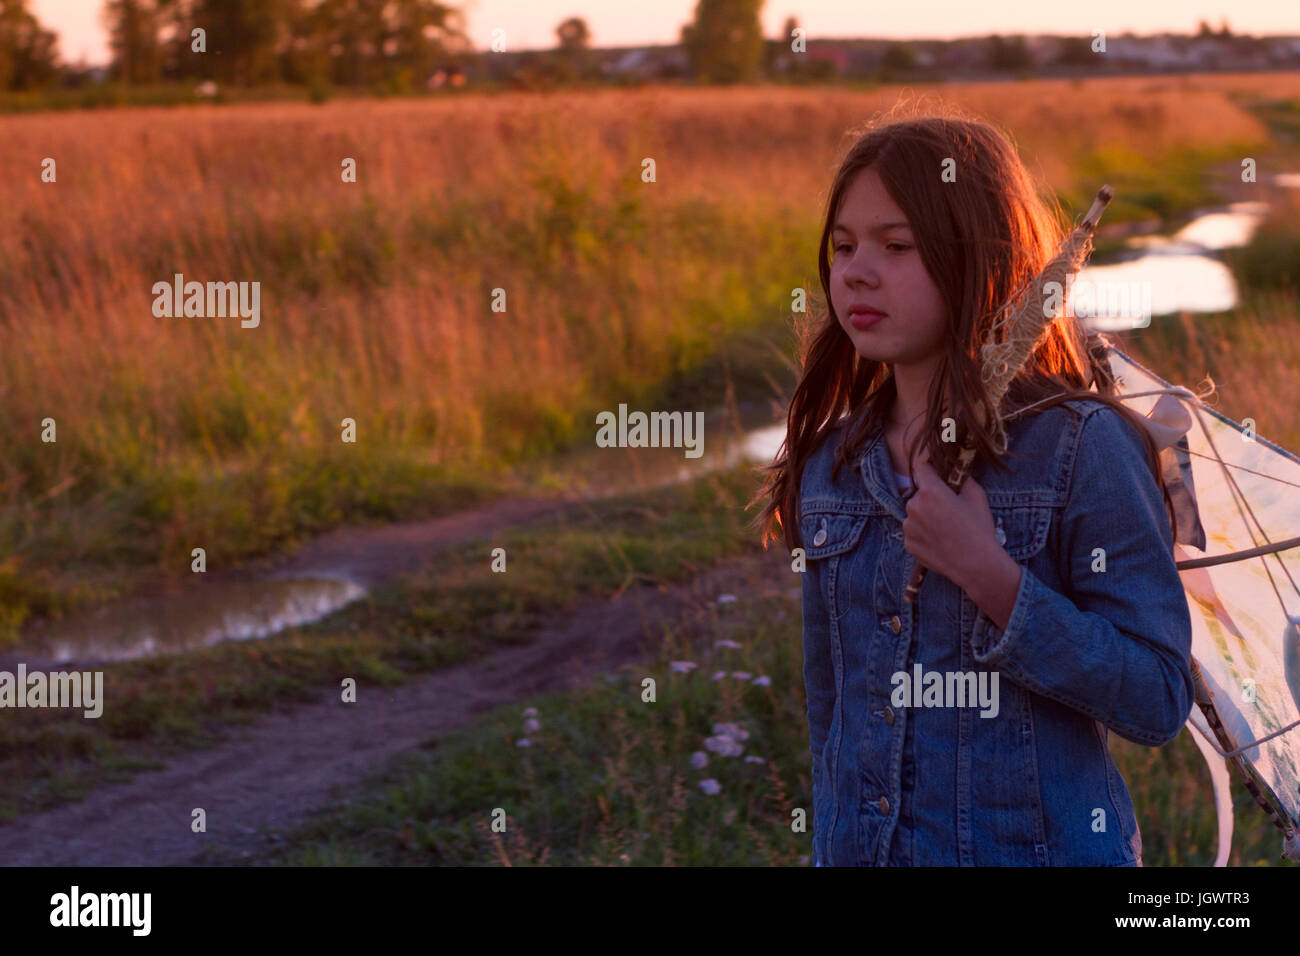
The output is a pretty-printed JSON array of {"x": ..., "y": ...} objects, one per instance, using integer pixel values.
[{"x": 530, "y": 24}]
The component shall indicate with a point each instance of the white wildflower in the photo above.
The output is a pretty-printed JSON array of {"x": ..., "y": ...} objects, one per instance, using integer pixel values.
[
  {"x": 732, "y": 730},
  {"x": 724, "y": 746}
]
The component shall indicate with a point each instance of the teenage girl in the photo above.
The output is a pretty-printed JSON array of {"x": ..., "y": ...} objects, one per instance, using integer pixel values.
[{"x": 969, "y": 727}]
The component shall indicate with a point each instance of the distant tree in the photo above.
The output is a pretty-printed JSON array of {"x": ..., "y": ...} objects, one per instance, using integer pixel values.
[
  {"x": 573, "y": 35},
  {"x": 1011, "y": 55},
  {"x": 1075, "y": 51},
  {"x": 777, "y": 55},
  {"x": 244, "y": 38},
  {"x": 573, "y": 55},
  {"x": 724, "y": 43},
  {"x": 28, "y": 51},
  {"x": 133, "y": 27},
  {"x": 899, "y": 56},
  {"x": 1204, "y": 29},
  {"x": 364, "y": 42}
]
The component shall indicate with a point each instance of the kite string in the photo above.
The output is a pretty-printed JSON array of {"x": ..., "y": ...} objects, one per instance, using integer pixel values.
[
  {"x": 1252, "y": 471},
  {"x": 1244, "y": 747}
]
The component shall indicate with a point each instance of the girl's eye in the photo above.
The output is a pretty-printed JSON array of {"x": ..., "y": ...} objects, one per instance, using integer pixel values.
[{"x": 894, "y": 246}]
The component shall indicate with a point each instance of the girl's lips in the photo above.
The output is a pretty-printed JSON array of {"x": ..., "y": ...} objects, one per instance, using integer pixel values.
[{"x": 865, "y": 320}]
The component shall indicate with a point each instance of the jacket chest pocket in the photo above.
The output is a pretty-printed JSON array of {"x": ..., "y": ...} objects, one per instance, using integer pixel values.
[
  {"x": 829, "y": 531},
  {"x": 1022, "y": 529}
]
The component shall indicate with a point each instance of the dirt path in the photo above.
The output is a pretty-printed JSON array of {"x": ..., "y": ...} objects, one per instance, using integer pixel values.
[{"x": 289, "y": 764}]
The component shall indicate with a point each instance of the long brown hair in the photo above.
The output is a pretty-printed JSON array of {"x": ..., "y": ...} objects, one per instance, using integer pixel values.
[{"x": 981, "y": 237}]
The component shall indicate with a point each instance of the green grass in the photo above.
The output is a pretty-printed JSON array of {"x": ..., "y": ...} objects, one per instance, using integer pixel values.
[
  {"x": 1270, "y": 262},
  {"x": 607, "y": 780},
  {"x": 454, "y": 610},
  {"x": 1281, "y": 115},
  {"x": 1168, "y": 189}
]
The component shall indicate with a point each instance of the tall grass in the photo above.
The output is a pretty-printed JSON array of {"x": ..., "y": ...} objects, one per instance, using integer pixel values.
[{"x": 377, "y": 295}]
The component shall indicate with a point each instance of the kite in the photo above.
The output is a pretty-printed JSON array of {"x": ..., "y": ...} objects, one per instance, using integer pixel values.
[{"x": 1237, "y": 514}]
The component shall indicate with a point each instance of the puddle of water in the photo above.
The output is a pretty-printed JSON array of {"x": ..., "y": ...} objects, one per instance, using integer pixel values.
[
  {"x": 197, "y": 617},
  {"x": 1224, "y": 230},
  {"x": 1170, "y": 274},
  {"x": 599, "y": 472}
]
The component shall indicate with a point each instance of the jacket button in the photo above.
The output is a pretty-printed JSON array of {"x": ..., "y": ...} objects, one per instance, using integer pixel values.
[
  {"x": 889, "y": 716},
  {"x": 819, "y": 538},
  {"x": 883, "y": 806},
  {"x": 895, "y": 624}
]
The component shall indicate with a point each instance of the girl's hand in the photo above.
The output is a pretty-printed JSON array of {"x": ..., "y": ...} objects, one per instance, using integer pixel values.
[{"x": 952, "y": 533}]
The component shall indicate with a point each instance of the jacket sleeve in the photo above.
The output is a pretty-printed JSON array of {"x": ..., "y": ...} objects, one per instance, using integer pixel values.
[{"x": 1119, "y": 647}]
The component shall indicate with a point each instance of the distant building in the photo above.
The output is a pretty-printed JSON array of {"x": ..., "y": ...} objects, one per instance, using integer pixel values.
[
  {"x": 653, "y": 62},
  {"x": 831, "y": 51}
]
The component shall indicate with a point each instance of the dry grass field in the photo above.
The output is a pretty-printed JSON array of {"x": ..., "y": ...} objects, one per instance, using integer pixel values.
[{"x": 377, "y": 296}]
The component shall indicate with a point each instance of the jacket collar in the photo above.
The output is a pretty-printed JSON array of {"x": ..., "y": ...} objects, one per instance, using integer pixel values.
[{"x": 878, "y": 472}]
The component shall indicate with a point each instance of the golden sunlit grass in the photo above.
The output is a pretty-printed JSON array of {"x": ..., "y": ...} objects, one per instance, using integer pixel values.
[{"x": 376, "y": 296}]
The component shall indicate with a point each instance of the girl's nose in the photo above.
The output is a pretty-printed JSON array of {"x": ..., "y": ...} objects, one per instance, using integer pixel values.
[{"x": 861, "y": 269}]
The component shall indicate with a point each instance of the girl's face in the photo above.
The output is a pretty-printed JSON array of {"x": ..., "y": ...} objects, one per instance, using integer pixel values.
[{"x": 877, "y": 265}]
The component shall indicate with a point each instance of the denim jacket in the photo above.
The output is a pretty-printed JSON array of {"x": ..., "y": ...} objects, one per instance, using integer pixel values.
[{"x": 1098, "y": 640}]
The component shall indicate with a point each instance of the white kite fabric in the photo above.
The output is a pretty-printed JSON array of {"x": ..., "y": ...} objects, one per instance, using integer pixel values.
[{"x": 1234, "y": 492}]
